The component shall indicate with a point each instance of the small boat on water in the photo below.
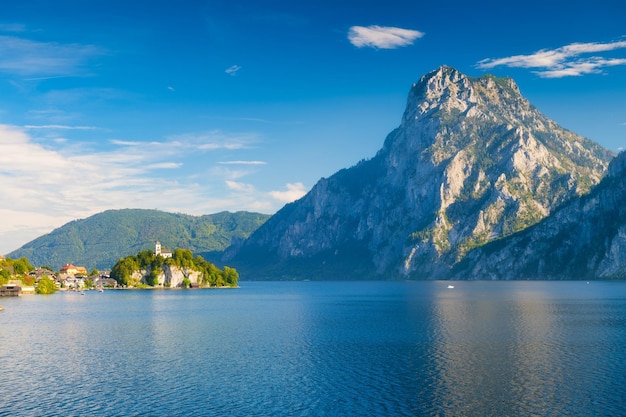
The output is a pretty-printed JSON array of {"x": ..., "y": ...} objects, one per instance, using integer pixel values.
[{"x": 450, "y": 286}]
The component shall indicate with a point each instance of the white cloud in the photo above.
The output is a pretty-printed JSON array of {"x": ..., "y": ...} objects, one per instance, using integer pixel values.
[
  {"x": 233, "y": 70},
  {"x": 243, "y": 163},
  {"x": 215, "y": 140},
  {"x": 45, "y": 186},
  {"x": 12, "y": 27},
  {"x": 383, "y": 37},
  {"x": 294, "y": 191},
  {"x": 165, "y": 165},
  {"x": 26, "y": 57},
  {"x": 240, "y": 186},
  {"x": 562, "y": 62},
  {"x": 61, "y": 127}
]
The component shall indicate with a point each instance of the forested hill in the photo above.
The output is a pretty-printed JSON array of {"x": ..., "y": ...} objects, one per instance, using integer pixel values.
[{"x": 101, "y": 240}]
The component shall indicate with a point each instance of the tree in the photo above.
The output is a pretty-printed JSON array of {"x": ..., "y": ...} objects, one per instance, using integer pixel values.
[
  {"x": 153, "y": 277},
  {"x": 231, "y": 276},
  {"x": 22, "y": 266},
  {"x": 123, "y": 270},
  {"x": 46, "y": 286}
]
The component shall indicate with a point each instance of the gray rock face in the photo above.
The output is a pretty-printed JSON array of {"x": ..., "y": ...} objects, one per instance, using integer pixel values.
[
  {"x": 472, "y": 161},
  {"x": 585, "y": 238},
  {"x": 170, "y": 276}
]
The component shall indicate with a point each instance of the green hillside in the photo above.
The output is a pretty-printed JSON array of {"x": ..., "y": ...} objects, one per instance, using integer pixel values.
[{"x": 101, "y": 240}]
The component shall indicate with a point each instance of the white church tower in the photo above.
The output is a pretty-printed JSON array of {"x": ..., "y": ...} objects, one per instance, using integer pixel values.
[{"x": 160, "y": 251}]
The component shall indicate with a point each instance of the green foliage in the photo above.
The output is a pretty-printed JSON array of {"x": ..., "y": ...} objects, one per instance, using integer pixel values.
[
  {"x": 14, "y": 267},
  {"x": 153, "y": 277},
  {"x": 211, "y": 275},
  {"x": 100, "y": 240},
  {"x": 470, "y": 243},
  {"x": 5, "y": 275},
  {"x": 46, "y": 286},
  {"x": 123, "y": 270}
]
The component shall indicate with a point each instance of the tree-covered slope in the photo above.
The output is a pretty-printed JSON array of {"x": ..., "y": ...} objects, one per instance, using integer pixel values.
[{"x": 100, "y": 240}]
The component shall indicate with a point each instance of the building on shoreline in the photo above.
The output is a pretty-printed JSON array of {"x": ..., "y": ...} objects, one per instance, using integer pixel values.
[{"x": 73, "y": 270}]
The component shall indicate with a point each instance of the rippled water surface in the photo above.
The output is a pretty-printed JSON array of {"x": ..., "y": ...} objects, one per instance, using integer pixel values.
[{"x": 319, "y": 349}]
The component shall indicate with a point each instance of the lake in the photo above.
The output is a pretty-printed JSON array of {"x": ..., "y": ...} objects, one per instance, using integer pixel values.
[{"x": 481, "y": 348}]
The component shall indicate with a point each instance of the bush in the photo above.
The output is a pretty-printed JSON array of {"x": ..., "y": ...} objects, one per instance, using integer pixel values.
[{"x": 46, "y": 286}]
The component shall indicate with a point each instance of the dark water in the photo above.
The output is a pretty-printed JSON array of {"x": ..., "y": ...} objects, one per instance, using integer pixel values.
[{"x": 319, "y": 349}]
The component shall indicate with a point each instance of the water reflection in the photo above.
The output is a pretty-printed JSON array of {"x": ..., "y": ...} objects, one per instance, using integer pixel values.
[
  {"x": 399, "y": 348},
  {"x": 517, "y": 353}
]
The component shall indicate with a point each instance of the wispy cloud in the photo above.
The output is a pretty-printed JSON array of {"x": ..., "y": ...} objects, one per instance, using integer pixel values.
[
  {"x": 61, "y": 127},
  {"x": 566, "y": 61},
  {"x": 240, "y": 186},
  {"x": 28, "y": 58},
  {"x": 215, "y": 140},
  {"x": 243, "y": 163},
  {"x": 293, "y": 192},
  {"x": 233, "y": 70},
  {"x": 12, "y": 27},
  {"x": 383, "y": 37}
]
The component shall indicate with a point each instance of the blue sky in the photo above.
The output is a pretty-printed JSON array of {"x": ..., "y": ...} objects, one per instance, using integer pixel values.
[{"x": 203, "y": 106}]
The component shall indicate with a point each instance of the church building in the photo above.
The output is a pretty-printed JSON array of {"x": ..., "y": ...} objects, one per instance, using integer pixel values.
[{"x": 158, "y": 250}]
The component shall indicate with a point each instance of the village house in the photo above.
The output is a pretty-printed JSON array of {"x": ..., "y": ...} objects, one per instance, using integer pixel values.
[
  {"x": 70, "y": 269},
  {"x": 42, "y": 272},
  {"x": 103, "y": 282}
]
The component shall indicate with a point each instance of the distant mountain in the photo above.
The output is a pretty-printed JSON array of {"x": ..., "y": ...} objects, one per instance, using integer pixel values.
[
  {"x": 585, "y": 238},
  {"x": 100, "y": 240},
  {"x": 472, "y": 161}
]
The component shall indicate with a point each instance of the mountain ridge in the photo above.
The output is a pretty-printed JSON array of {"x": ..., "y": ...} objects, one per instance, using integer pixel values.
[{"x": 100, "y": 240}]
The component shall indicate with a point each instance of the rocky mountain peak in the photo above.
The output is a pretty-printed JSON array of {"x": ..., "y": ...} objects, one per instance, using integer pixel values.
[
  {"x": 472, "y": 161},
  {"x": 446, "y": 89}
]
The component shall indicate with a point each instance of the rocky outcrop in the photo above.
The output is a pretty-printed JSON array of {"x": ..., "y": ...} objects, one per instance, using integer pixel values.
[
  {"x": 471, "y": 162},
  {"x": 169, "y": 276},
  {"x": 585, "y": 238}
]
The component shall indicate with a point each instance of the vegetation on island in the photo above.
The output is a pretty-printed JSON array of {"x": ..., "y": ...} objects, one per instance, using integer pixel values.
[{"x": 151, "y": 266}]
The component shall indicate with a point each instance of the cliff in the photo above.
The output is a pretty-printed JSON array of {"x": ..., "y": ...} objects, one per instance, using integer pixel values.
[
  {"x": 170, "y": 276},
  {"x": 585, "y": 238}
]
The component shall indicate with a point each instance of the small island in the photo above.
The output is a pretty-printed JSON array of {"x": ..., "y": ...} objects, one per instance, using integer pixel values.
[
  {"x": 164, "y": 269},
  {"x": 147, "y": 269}
]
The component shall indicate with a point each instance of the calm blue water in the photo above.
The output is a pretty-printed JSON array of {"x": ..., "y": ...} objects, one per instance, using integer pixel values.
[{"x": 319, "y": 349}]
